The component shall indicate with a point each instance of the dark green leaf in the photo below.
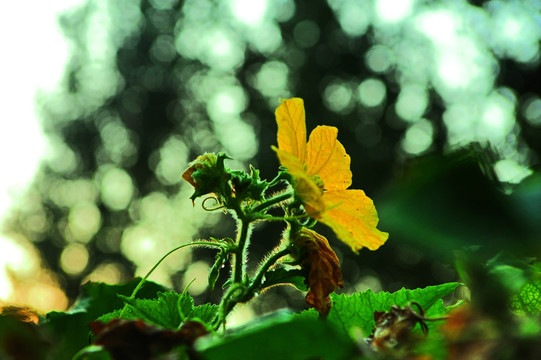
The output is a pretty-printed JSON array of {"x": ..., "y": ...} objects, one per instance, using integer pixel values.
[
  {"x": 283, "y": 338},
  {"x": 70, "y": 331},
  {"x": 100, "y": 298},
  {"x": 21, "y": 340}
]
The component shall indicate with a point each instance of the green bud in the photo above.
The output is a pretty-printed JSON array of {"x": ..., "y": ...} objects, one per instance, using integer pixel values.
[{"x": 207, "y": 174}]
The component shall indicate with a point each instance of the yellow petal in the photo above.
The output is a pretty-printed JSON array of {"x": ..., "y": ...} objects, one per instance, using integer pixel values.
[
  {"x": 292, "y": 127},
  {"x": 327, "y": 158},
  {"x": 305, "y": 187},
  {"x": 352, "y": 216}
]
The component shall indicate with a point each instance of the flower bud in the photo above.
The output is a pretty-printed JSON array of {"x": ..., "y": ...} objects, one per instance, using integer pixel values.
[{"x": 207, "y": 174}]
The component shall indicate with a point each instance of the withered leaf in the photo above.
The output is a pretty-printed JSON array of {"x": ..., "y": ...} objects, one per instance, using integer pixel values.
[
  {"x": 134, "y": 339},
  {"x": 324, "y": 274}
]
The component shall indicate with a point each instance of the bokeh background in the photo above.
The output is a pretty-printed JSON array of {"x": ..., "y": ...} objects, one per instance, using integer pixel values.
[{"x": 437, "y": 102}]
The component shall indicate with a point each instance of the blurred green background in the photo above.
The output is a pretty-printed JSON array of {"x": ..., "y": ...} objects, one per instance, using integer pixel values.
[{"x": 437, "y": 102}]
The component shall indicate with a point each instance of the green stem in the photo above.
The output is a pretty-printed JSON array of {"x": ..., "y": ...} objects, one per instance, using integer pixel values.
[
  {"x": 237, "y": 293},
  {"x": 281, "y": 218},
  {"x": 279, "y": 178},
  {"x": 271, "y": 260},
  {"x": 240, "y": 255},
  {"x": 144, "y": 279},
  {"x": 272, "y": 201}
]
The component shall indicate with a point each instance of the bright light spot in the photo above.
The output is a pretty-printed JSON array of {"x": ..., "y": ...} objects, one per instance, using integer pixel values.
[
  {"x": 440, "y": 26},
  {"x": 13, "y": 257},
  {"x": 393, "y": 10},
  {"x": 338, "y": 97},
  {"x": 412, "y": 102},
  {"x": 239, "y": 139},
  {"x": 512, "y": 28},
  {"x": 241, "y": 314},
  {"x": 497, "y": 118},
  {"x": 221, "y": 46},
  {"x": 379, "y": 58},
  {"x": 493, "y": 116},
  {"x": 265, "y": 38},
  {"x": 74, "y": 259},
  {"x": 371, "y": 92},
  {"x": 199, "y": 271},
  {"x": 368, "y": 282},
  {"x": 460, "y": 120},
  {"x": 418, "y": 137},
  {"x": 116, "y": 188},
  {"x": 453, "y": 71},
  {"x": 69, "y": 193},
  {"x": 84, "y": 220},
  {"x": 173, "y": 161},
  {"x": 117, "y": 139},
  {"x": 222, "y": 49},
  {"x": 45, "y": 295},
  {"x": 271, "y": 79},
  {"x": 532, "y": 111},
  {"x": 510, "y": 171},
  {"x": 226, "y": 102},
  {"x": 354, "y": 17},
  {"x": 59, "y": 156},
  {"x": 111, "y": 273},
  {"x": 137, "y": 245},
  {"x": 250, "y": 12},
  {"x": 460, "y": 62}
]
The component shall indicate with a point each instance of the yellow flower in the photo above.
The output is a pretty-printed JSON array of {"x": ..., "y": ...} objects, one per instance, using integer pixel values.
[{"x": 322, "y": 176}]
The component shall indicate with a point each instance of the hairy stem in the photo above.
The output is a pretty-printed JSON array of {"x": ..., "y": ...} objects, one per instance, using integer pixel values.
[
  {"x": 271, "y": 260},
  {"x": 272, "y": 201},
  {"x": 240, "y": 255}
]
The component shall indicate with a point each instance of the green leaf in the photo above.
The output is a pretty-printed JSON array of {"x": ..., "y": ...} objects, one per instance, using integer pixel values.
[
  {"x": 162, "y": 311},
  {"x": 357, "y": 310},
  {"x": 280, "y": 276},
  {"x": 205, "y": 313},
  {"x": 214, "y": 273},
  {"x": 528, "y": 300},
  {"x": 97, "y": 299},
  {"x": 284, "y": 338},
  {"x": 186, "y": 305},
  {"x": 168, "y": 310},
  {"x": 69, "y": 331}
]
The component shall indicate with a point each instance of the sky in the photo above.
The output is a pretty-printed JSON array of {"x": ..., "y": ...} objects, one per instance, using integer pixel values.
[{"x": 33, "y": 56}]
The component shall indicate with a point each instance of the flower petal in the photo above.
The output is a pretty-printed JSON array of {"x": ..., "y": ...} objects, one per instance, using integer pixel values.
[
  {"x": 327, "y": 158},
  {"x": 305, "y": 187},
  {"x": 292, "y": 127},
  {"x": 352, "y": 216}
]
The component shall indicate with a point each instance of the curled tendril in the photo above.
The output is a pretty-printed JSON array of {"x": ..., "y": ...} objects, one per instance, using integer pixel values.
[{"x": 216, "y": 204}]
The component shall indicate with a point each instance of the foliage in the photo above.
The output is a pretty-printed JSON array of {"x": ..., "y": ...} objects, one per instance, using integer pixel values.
[{"x": 144, "y": 320}]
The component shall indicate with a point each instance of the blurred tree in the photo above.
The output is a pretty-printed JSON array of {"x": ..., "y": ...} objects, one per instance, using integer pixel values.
[{"x": 152, "y": 84}]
